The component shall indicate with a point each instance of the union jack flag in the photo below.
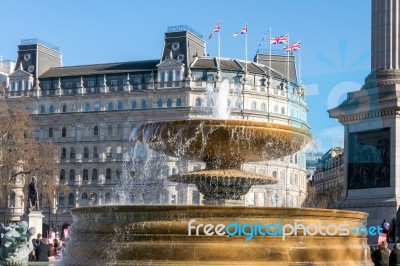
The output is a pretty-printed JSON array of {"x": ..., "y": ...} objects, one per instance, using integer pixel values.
[
  {"x": 292, "y": 47},
  {"x": 243, "y": 31},
  {"x": 216, "y": 29},
  {"x": 279, "y": 39}
]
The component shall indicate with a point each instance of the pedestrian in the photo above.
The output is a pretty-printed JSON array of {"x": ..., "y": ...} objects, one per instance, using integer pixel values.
[
  {"x": 380, "y": 257},
  {"x": 394, "y": 258},
  {"x": 43, "y": 251}
]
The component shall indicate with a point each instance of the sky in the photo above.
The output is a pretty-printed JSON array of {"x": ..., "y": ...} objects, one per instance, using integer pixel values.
[{"x": 335, "y": 38}]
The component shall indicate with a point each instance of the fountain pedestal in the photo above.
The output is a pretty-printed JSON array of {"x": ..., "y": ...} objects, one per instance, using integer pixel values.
[{"x": 35, "y": 219}]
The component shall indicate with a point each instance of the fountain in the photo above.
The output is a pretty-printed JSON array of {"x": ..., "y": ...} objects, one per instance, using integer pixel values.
[{"x": 203, "y": 235}]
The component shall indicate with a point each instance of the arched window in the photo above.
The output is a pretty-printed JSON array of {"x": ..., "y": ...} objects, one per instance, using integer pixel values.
[
  {"x": 198, "y": 102},
  {"x": 159, "y": 103},
  {"x": 51, "y": 109},
  {"x": 72, "y": 174},
  {"x": 85, "y": 175},
  {"x": 87, "y": 107},
  {"x": 238, "y": 103},
  {"x": 170, "y": 75},
  {"x": 177, "y": 75},
  {"x": 120, "y": 105},
  {"x": 86, "y": 153},
  {"x": 107, "y": 198},
  {"x": 109, "y": 152},
  {"x": 72, "y": 153},
  {"x": 42, "y": 109},
  {"x": 275, "y": 108},
  {"x": 19, "y": 85},
  {"x": 110, "y": 106},
  {"x": 133, "y": 105},
  {"x": 96, "y": 131},
  {"x": 71, "y": 199},
  {"x": 253, "y": 106},
  {"x": 169, "y": 103},
  {"x": 50, "y": 132},
  {"x": 118, "y": 152},
  {"x": 95, "y": 153},
  {"x": 109, "y": 130},
  {"x": 64, "y": 108},
  {"x": 119, "y": 129},
  {"x": 263, "y": 107},
  {"x": 63, "y": 132},
  {"x": 84, "y": 201},
  {"x": 95, "y": 174},
  {"x": 63, "y": 153},
  {"x": 178, "y": 102},
  {"x": 108, "y": 174},
  {"x": 283, "y": 110},
  {"x": 12, "y": 199},
  {"x": 144, "y": 104},
  {"x": 62, "y": 175},
  {"x": 96, "y": 107},
  {"x": 162, "y": 76},
  {"x": 61, "y": 200}
]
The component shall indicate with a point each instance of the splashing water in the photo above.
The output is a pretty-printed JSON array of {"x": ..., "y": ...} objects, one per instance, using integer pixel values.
[{"x": 218, "y": 100}]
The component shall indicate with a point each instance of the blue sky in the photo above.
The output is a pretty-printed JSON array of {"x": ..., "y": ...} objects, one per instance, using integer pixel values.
[{"x": 335, "y": 37}]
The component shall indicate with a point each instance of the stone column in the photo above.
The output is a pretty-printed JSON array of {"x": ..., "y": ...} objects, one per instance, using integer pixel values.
[{"x": 385, "y": 44}]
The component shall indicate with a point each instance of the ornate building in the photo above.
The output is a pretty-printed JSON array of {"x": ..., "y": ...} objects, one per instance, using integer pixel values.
[{"x": 89, "y": 111}]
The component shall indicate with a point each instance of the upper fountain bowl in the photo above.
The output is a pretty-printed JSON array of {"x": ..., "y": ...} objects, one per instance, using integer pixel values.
[{"x": 223, "y": 143}]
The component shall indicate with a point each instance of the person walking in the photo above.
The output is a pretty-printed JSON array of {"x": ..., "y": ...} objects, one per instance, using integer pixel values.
[
  {"x": 43, "y": 251},
  {"x": 380, "y": 257},
  {"x": 394, "y": 258}
]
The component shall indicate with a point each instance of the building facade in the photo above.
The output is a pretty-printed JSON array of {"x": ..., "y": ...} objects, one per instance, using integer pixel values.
[{"x": 90, "y": 112}]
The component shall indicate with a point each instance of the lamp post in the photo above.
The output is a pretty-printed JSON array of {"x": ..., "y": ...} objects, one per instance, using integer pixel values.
[{"x": 56, "y": 225}]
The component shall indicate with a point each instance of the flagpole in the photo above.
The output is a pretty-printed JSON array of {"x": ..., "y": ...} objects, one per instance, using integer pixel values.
[
  {"x": 219, "y": 45},
  {"x": 288, "y": 52},
  {"x": 246, "y": 47},
  {"x": 270, "y": 44}
]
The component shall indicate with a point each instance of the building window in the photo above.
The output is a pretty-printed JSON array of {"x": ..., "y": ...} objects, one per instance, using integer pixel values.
[
  {"x": 72, "y": 153},
  {"x": 87, "y": 107},
  {"x": 109, "y": 152},
  {"x": 276, "y": 109},
  {"x": 108, "y": 174},
  {"x": 95, "y": 131},
  {"x": 51, "y": 109},
  {"x": 137, "y": 81},
  {"x": 61, "y": 200},
  {"x": 107, "y": 198},
  {"x": 170, "y": 75},
  {"x": 72, "y": 175},
  {"x": 114, "y": 82},
  {"x": 63, "y": 132},
  {"x": 62, "y": 175},
  {"x": 109, "y": 130},
  {"x": 195, "y": 197},
  {"x": 263, "y": 107},
  {"x": 274, "y": 174},
  {"x": 72, "y": 132},
  {"x": 63, "y": 153},
  {"x": 283, "y": 110},
  {"x": 42, "y": 109},
  {"x": 95, "y": 174},
  {"x": 133, "y": 105},
  {"x": 178, "y": 102},
  {"x": 64, "y": 108},
  {"x": 119, "y": 129},
  {"x": 86, "y": 153},
  {"x": 12, "y": 199},
  {"x": 96, "y": 107},
  {"x": 144, "y": 104},
  {"x": 177, "y": 75},
  {"x": 90, "y": 83},
  {"x": 253, "y": 106},
  {"x": 173, "y": 199},
  {"x": 110, "y": 106},
  {"x": 198, "y": 102},
  {"x": 84, "y": 199},
  {"x": 95, "y": 153},
  {"x": 19, "y": 85},
  {"x": 85, "y": 175},
  {"x": 159, "y": 103},
  {"x": 68, "y": 85},
  {"x": 162, "y": 76},
  {"x": 169, "y": 103},
  {"x": 120, "y": 105},
  {"x": 71, "y": 199},
  {"x": 50, "y": 132}
]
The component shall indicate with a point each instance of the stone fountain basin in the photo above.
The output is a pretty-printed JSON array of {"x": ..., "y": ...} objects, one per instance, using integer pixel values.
[
  {"x": 158, "y": 235},
  {"x": 223, "y": 142}
]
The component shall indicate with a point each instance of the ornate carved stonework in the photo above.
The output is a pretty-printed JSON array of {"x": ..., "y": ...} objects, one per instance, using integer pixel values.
[{"x": 369, "y": 159}]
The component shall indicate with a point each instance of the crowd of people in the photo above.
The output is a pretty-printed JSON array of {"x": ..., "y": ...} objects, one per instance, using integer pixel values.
[{"x": 44, "y": 249}]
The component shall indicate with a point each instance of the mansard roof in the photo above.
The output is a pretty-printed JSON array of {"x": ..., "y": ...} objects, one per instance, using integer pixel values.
[{"x": 110, "y": 68}]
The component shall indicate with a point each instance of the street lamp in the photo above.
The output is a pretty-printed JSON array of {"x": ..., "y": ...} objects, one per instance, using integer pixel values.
[{"x": 56, "y": 225}]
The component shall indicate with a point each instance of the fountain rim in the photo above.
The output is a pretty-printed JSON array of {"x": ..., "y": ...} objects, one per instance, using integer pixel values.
[{"x": 214, "y": 209}]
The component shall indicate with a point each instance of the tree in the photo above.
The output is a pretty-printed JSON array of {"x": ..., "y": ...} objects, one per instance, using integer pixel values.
[
  {"x": 21, "y": 155},
  {"x": 322, "y": 200}
]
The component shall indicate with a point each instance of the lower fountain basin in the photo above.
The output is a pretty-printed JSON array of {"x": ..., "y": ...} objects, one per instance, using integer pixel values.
[{"x": 158, "y": 235}]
